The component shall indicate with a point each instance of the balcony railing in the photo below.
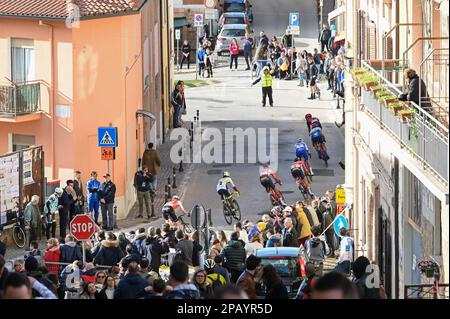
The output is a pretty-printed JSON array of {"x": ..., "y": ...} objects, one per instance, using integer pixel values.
[
  {"x": 20, "y": 99},
  {"x": 426, "y": 291},
  {"x": 423, "y": 136}
]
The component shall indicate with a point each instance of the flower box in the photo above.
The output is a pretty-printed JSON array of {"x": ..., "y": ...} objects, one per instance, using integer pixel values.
[
  {"x": 396, "y": 107},
  {"x": 376, "y": 88},
  {"x": 378, "y": 64},
  {"x": 388, "y": 100},
  {"x": 405, "y": 115},
  {"x": 368, "y": 85}
]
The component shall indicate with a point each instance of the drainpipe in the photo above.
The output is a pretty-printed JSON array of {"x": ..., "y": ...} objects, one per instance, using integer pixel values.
[{"x": 52, "y": 99}]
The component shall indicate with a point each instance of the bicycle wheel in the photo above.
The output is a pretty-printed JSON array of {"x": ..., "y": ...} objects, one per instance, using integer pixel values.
[
  {"x": 188, "y": 228},
  {"x": 19, "y": 236},
  {"x": 237, "y": 211},
  {"x": 227, "y": 214}
]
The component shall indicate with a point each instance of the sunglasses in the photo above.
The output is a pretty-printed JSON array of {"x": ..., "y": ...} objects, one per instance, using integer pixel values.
[{"x": 102, "y": 277}]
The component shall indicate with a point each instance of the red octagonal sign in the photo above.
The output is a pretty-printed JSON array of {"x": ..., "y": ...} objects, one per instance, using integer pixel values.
[{"x": 82, "y": 227}]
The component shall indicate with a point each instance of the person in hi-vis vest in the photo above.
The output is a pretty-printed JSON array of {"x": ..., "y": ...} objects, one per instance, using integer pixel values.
[{"x": 266, "y": 84}]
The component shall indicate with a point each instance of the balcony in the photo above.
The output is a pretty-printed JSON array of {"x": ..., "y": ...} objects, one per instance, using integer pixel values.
[
  {"x": 424, "y": 137},
  {"x": 20, "y": 99}
]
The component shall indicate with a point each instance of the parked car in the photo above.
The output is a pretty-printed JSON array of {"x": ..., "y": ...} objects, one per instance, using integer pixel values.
[
  {"x": 289, "y": 263},
  {"x": 233, "y": 18},
  {"x": 226, "y": 35},
  {"x": 238, "y": 6}
]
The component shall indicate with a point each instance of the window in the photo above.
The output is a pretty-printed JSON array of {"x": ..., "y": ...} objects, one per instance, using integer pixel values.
[
  {"x": 20, "y": 142},
  {"x": 22, "y": 60},
  {"x": 233, "y": 33}
]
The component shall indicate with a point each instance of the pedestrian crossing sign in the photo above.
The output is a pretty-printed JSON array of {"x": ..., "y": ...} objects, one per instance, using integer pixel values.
[{"x": 107, "y": 137}]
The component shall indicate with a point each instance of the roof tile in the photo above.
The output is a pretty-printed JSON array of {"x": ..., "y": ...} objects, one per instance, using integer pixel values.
[{"x": 61, "y": 8}]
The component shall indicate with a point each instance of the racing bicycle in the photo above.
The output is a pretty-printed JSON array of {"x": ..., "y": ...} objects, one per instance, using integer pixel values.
[
  {"x": 323, "y": 155},
  {"x": 186, "y": 227},
  {"x": 276, "y": 196},
  {"x": 304, "y": 189},
  {"x": 307, "y": 170},
  {"x": 231, "y": 209}
]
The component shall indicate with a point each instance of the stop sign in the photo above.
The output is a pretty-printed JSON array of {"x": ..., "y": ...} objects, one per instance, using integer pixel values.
[{"x": 82, "y": 227}]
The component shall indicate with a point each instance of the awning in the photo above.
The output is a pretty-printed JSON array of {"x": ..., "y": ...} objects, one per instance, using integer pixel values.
[
  {"x": 335, "y": 13},
  {"x": 180, "y": 22}
]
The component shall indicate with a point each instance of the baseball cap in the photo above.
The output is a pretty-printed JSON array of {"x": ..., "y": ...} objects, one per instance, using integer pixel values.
[{"x": 107, "y": 175}]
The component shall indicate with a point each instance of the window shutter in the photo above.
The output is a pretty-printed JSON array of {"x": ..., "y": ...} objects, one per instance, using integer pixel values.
[{"x": 372, "y": 39}]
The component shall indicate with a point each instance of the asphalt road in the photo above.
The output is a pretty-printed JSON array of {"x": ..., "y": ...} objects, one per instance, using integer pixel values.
[{"x": 233, "y": 103}]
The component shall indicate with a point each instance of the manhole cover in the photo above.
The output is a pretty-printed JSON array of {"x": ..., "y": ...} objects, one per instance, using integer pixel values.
[
  {"x": 214, "y": 172},
  {"x": 323, "y": 172}
]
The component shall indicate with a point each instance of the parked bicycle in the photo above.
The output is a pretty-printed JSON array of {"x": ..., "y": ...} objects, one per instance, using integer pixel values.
[
  {"x": 19, "y": 233},
  {"x": 231, "y": 209}
]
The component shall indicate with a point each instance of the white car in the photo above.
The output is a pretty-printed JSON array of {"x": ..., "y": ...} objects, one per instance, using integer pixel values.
[{"x": 228, "y": 33}]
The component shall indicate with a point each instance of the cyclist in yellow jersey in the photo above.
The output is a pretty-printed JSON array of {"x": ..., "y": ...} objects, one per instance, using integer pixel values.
[{"x": 222, "y": 185}]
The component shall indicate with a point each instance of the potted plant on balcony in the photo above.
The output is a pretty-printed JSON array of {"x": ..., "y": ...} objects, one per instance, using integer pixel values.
[
  {"x": 406, "y": 115},
  {"x": 389, "y": 65},
  {"x": 357, "y": 71},
  {"x": 368, "y": 81},
  {"x": 396, "y": 107},
  {"x": 381, "y": 94},
  {"x": 388, "y": 99},
  {"x": 376, "y": 88}
]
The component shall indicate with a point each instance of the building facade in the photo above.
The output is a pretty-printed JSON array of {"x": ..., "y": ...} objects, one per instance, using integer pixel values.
[
  {"x": 398, "y": 170},
  {"x": 73, "y": 66}
]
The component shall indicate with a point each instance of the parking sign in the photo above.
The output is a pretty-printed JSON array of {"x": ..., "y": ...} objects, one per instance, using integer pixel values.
[
  {"x": 294, "y": 19},
  {"x": 198, "y": 20}
]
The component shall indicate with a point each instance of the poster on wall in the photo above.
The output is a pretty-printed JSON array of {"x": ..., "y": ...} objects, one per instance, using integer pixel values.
[
  {"x": 9, "y": 185},
  {"x": 28, "y": 168}
]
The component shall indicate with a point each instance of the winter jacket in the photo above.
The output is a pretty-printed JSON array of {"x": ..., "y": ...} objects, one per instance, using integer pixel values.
[
  {"x": 234, "y": 49},
  {"x": 251, "y": 248},
  {"x": 277, "y": 291},
  {"x": 65, "y": 202},
  {"x": 131, "y": 287},
  {"x": 92, "y": 186},
  {"x": 247, "y": 283},
  {"x": 184, "y": 250},
  {"x": 50, "y": 208},
  {"x": 197, "y": 248},
  {"x": 186, "y": 48},
  {"x": 234, "y": 255},
  {"x": 184, "y": 291},
  {"x": 154, "y": 248},
  {"x": 70, "y": 252},
  {"x": 107, "y": 191},
  {"x": 273, "y": 241},
  {"x": 143, "y": 183},
  {"x": 151, "y": 160},
  {"x": 325, "y": 35},
  {"x": 316, "y": 249},
  {"x": 52, "y": 255},
  {"x": 139, "y": 242},
  {"x": 32, "y": 216},
  {"x": 89, "y": 275},
  {"x": 304, "y": 227},
  {"x": 290, "y": 238},
  {"x": 109, "y": 254},
  {"x": 417, "y": 90}
]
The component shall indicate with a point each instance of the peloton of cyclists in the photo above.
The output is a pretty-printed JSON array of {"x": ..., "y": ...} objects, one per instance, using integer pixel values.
[
  {"x": 170, "y": 210},
  {"x": 267, "y": 176},
  {"x": 222, "y": 187}
]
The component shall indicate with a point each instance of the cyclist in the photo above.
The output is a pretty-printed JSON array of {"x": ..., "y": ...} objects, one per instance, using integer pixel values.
[
  {"x": 222, "y": 187},
  {"x": 302, "y": 152},
  {"x": 317, "y": 139},
  {"x": 298, "y": 171},
  {"x": 214, "y": 279},
  {"x": 266, "y": 177},
  {"x": 312, "y": 122},
  {"x": 50, "y": 209},
  {"x": 170, "y": 209}
]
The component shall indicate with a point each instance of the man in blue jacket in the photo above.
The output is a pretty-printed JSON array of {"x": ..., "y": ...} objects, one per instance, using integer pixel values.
[
  {"x": 133, "y": 285},
  {"x": 107, "y": 194},
  {"x": 93, "y": 199}
]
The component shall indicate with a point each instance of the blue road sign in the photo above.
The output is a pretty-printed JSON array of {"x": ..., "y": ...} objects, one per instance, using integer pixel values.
[
  {"x": 340, "y": 222},
  {"x": 107, "y": 137},
  {"x": 294, "y": 19}
]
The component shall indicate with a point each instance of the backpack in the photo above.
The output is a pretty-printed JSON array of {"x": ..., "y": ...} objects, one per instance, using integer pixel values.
[
  {"x": 215, "y": 282},
  {"x": 315, "y": 249}
]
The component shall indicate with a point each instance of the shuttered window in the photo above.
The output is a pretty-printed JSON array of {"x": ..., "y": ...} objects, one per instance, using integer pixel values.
[
  {"x": 372, "y": 40},
  {"x": 363, "y": 35}
]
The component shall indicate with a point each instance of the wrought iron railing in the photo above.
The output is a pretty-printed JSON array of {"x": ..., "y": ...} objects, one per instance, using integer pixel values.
[
  {"x": 424, "y": 136},
  {"x": 20, "y": 99},
  {"x": 426, "y": 291}
]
